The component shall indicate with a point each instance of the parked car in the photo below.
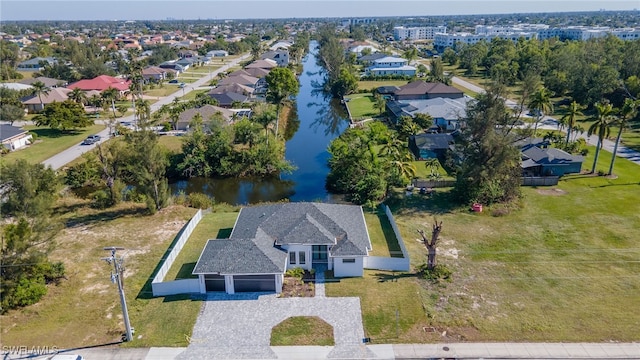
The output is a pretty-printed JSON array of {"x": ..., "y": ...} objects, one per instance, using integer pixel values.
[
  {"x": 174, "y": 81},
  {"x": 91, "y": 139}
]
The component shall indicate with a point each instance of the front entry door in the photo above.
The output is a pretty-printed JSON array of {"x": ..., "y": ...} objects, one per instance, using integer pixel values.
[{"x": 319, "y": 254}]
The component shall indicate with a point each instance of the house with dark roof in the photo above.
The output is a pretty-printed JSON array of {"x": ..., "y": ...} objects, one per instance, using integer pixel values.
[
  {"x": 368, "y": 59},
  {"x": 548, "y": 161},
  {"x": 227, "y": 99},
  {"x": 35, "y": 64},
  {"x": 427, "y": 146},
  {"x": 423, "y": 90},
  {"x": 13, "y": 137},
  {"x": 267, "y": 240}
]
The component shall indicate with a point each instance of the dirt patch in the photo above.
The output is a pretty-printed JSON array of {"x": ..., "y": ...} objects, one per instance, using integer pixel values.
[
  {"x": 299, "y": 287},
  {"x": 552, "y": 192}
]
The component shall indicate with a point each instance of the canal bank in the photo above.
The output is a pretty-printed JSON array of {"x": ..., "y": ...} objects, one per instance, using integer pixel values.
[{"x": 320, "y": 119}]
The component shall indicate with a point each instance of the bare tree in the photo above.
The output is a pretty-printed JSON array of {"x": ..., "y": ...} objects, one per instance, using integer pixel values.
[{"x": 431, "y": 244}]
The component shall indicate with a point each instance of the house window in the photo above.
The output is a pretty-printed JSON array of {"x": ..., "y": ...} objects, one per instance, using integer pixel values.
[
  {"x": 292, "y": 258},
  {"x": 348, "y": 261},
  {"x": 302, "y": 257}
]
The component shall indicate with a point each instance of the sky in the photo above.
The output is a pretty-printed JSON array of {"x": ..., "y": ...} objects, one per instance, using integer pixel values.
[{"x": 250, "y": 9}]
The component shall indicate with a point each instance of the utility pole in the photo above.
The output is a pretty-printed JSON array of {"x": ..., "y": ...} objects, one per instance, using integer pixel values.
[{"x": 116, "y": 277}]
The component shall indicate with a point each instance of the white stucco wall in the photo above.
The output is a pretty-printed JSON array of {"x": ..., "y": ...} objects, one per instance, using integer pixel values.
[
  {"x": 298, "y": 248},
  {"x": 342, "y": 269}
]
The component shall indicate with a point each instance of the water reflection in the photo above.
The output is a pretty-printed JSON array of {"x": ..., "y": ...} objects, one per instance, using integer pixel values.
[{"x": 315, "y": 120}]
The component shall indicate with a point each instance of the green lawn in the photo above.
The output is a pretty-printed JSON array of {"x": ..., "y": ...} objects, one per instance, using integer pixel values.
[
  {"x": 423, "y": 172},
  {"x": 383, "y": 239},
  {"x": 172, "y": 143},
  {"x": 561, "y": 266},
  {"x": 212, "y": 226},
  {"x": 302, "y": 331},
  {"x": 192, "y": 95},
  {"x": 362, "y": 106},
  {"x": 49, "y": 142},
  {"x": 165, "y": 90},
  {"x": 84, "y": 310}
]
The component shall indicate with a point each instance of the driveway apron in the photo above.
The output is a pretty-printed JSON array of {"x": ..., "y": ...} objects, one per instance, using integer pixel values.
[{"x": 239, "y": 326}]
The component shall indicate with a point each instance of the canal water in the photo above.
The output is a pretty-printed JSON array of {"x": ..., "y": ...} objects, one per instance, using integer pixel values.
[{"x": 321, "y": 119}]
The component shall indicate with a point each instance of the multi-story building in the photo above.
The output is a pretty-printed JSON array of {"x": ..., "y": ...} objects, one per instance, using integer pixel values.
[
  {"x": 417, "y": 33},
  {"x": 442, "y": 41}
]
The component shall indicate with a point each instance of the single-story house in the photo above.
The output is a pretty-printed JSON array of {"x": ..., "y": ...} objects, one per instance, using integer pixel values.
[
  {"x": 549, "y": 161},
  {"x": 358, "y": 49},
  {"x": 48, "y": 82},
  {"x": 232, "y": 87},
  {"x": 217, "y": 53},
  {"x": 255, "y": 72},
  {"x": 35, "y": 64},
  {"x": 186, "y": 63},
  {"x": 13, "y": 137},
  {"x": 172, "y": 66},
  {"x": 263, "y": 64},
  {"x": 446, "y": 113},
  {"x": 16, "y": 86},
  {"x": 267, "y": 240},
  {"x": 245, "y": 80},
  {"x": 227, "y": 99},
  {"x": 423, "y": 90},
  {"x": 32, "y": 103},
  {"x": 281, "y": 57},
  {"x": 155, "y": 73},
  {"x": 427, "y": 146},
  {"x": 207, "y": 112},
  {"x": 102, "y": 83}
]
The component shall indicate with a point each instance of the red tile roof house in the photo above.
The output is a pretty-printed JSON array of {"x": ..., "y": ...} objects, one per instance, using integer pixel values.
[{"x": 101, "y": 83}]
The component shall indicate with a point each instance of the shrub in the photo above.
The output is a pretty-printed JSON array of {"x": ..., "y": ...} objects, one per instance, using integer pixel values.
[
  {"x": 439, "y": 273},
  {"x": 101, "y": 199},
  {"x": 151, "y": 205},
  {"x": 181, "y": 199},
  {"x": 200, "y": 201},
  {"x": 295, "y": 273}
]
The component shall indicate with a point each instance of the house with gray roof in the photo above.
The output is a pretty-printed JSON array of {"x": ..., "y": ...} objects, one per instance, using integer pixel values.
[
  {"x": 446, "y": 113},
  {"x": 36, "y": 64},
  {"x": 267, "y": 240},
  {"x": 13, "y": 138},
  {"x": 548, "y": 161}
]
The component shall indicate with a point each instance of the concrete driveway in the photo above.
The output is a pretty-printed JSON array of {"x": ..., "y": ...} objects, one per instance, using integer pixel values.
[{"x": 239, "y": 326}]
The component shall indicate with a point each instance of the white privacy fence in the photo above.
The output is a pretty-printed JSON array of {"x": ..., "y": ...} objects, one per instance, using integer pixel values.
[
  {"x": 390, "y": 263},
  {"x": 162, "y": 288}
]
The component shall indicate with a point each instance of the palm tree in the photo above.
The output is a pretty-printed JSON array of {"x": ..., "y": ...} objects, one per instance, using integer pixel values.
[
  {"x": 39, "y": 89},
  {"x": 392, "y": 147},
  {"x": 265, "y": 117},
  {"x": 628, "y": 112},
  {"x": 539, "y": 103},
  {"x": 410, "y": 54},
  {"x": 78, "y": 95},
  {"x": 403, "y": 165},
  {"x": 569, "y": 118},
  {"x": 381, "y": 103},
  {"x": 111, "y": 94},
  {"x": 601, "y": 127}
]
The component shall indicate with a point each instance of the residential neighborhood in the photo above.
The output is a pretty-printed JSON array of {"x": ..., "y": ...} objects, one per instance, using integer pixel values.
[{"x": 297, "y": 185}]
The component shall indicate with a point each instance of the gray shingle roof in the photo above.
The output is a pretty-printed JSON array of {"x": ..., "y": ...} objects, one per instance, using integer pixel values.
[
  {"x": 432, "y": 141},
  {"x": 254, "y": 244},
  {"x": 9, "y": 131},
  {"x": 550, "y": 156},
  {"x": 240, "y": 256}
]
